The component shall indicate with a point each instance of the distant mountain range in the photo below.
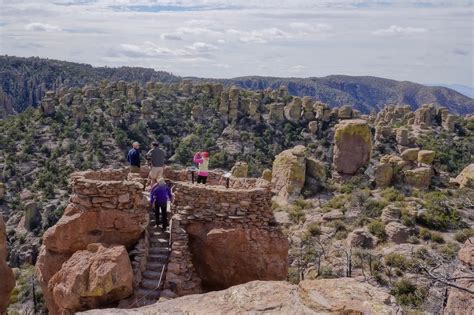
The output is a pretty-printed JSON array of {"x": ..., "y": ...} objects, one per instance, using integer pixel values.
[{"x": 24, "y": 81}]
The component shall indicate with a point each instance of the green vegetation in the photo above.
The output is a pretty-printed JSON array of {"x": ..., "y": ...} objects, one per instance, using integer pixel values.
[
  {"x": 463, "y": 235},
  {"x": 439, "y": 215},
  {"x": 408, "y": 294},
  {"x": 397, "y": 261},
  {"x": 377, "y": 228}
]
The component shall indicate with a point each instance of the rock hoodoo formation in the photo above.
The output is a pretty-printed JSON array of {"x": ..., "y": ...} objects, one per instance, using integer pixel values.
[
  {"x": 7, "y": 278},
  {"x": 104, "y": 208},
  {"x": 352, "y": 145}
]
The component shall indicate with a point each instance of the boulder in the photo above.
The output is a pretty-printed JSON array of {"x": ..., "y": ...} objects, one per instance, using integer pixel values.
[
  {"x": 397, "y": 232},
  {"x": 277, "y": 113},
  {"x": 390, "y": 213},
  {"x": 383, "y": 175},
  {"x": 229, "y": 256},
  {"x": 32, "y": 216},
  {"x": 353, "y": 145},
  {"x": 424, "y": 116},
  {"x": 313, "y": 127},
  {"x": 410, "y": 154},
  {"x": 402, "y": 136},
  {"x": 322, "y": 296},
  {"x": 240, "y": 169},
  {"x": 426, "y": 157},
  {"x": 92, "y": 278},
  {"x": 308, "y": 111},
  {"x": 48, "y": 106},
  {"x": 147, "y": 106},
  {"x": 288, "y": 174},
  {"x": 315, "y": 169},
  {"x": 461, "y": 302},
  {"x": 293, "y": 110},
  {"x": 419, "y": 177},
  {"x": 449, "y": 122},
  {"x": 6, "y": 275},
  {"x": 465, "y": 178},
  {"x": 361, "y": 238},
  {"x": 345, "y": 112},
  {"x": 322, "y": 111},
  {"x": 267, "y": 174}
]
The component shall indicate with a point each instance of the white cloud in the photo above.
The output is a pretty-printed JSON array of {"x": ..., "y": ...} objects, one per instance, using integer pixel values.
[
  {"x": 150, "y": 49},
  {"x": 297, "y": 69},
  {"x": 201, "y": 47},
  {"x": 42, "y": 27},
  {"x": 307, "y": 28},
  {"x": 170, "y": 36},
  {"x": 395, "y": 30},
  {"x": 259, "y": 36}
]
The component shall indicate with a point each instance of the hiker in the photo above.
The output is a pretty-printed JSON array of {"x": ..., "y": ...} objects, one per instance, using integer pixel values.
[
  {"x": 133, "y": 158},
  {"x": 159, "y": 196},
  {"x": 156, "y": 157},
  {"x": 202, "y": 159}
]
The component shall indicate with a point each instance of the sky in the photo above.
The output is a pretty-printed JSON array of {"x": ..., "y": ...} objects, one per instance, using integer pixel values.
[{"x": 426, "y": 41}]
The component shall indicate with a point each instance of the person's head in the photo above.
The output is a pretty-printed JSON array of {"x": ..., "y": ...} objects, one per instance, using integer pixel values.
[
  {"x": 154, "y": 144},
  {"x": 205, "y": 155},
  {"x": 161, "y": 181},
  {"x": 136, "y": 145}
]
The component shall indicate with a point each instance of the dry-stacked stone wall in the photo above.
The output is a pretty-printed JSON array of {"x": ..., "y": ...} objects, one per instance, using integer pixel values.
[
  {"x": 243, "y": 209},
  {"x": 105, "y": 207}
]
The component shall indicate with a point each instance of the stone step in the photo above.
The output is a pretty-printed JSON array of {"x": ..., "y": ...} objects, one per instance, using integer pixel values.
[
  {"x": 154, "y": 266},
  {"x": 157, "y": 250},
  {"x": 152, "y": 275},
  {"x": 150, "y": 295},
  {"x": 149, "y": 284},
  {"x": 158, "y": 257}
]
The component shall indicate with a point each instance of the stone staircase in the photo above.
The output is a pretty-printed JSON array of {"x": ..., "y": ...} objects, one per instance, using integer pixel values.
[{"x": 149, "y": 290}]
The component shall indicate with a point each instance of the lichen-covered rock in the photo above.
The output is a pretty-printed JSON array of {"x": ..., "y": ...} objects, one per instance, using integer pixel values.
[
  {"x": 397, "y": 232},
  {"x": 315, "y": 169},
  {"x": 383, "y": 175},
  {"x": 353, "y": 145},
  {"x": 466, "y": 177},
  {"x": 92, "y": 278},
  {"x": 410, "y": 154},
  {"x": 277, "y": 113},
  {"x": 48, "y": 106},
  {"x": 419, "y": 177},
  {"x": 7, "y": 278},
  {"x": 322, "y": 111},
  {"x": 424, "y": 116},
  {"x": 449, "y": 122},
  {"x": 32, "y": 216},
  {"x": 267, "y": 174},
  {"x": 426, "y": 157},
  {"x": 322, "y": 296},
  {"x": 147, "y": 106},
  {"x": 240, "y": 169},
  {"x": 288, "y": 173},
  {"x": 308, "y": 111}
]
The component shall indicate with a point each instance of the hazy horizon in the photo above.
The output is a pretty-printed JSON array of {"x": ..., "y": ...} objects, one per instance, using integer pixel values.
[{"x": 428, "y": 42}]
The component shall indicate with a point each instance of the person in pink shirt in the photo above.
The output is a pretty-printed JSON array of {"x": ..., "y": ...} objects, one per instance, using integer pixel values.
[{"x": 202, "y": 160}]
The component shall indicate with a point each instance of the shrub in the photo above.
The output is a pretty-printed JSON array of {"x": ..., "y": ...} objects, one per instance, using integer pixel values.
[
  {"x": 437, "y": 237},
  {"x": 377, "y": 228},
  {"x": 397, "y": 261},
  {"x": 408, "y": 294},
  {"x": 449, "y": 250},
  {"x": 391, "y": 194},
  {"x": 424, "y": 234},
  {"x": 463, "y": 235},
  {"x": 314, "y": 229},
  {"x": 326, "y": 272},
  {"x": 303, "y": 204},
  {"x": 439, "y": 215},
  {"x": 296, "y": 214},
  {"x": 373, "y": 207}
]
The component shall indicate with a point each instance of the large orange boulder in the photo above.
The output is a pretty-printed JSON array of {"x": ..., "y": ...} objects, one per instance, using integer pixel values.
[
  {"x": 224, "y": 257},
  {"x": 462, "y": 302},
  {"x": 352, "y": 145},
  {"x": 94, "y": 277},
  {"x": 289, "y": 173},
  {"x": 7, "y": 277}
]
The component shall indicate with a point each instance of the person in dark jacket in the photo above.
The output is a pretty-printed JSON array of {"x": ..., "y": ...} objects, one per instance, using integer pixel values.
[
  {"x": 156, "y": 156},
  {"x": 133, "y": 158},
  {"x": 159, "y": 196}
]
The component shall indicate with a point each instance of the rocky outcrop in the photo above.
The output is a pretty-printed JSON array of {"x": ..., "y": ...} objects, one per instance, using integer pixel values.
[
  {"x": 426, "y": 157},
  {"x": 288, "y": 173},
  {"x": 240, "y": 169},
  {"x": 461, "y": 302},
  {"x": 293, "y": 110},
  {"x": 383, "y": 174},
  {"x": 419, "y": 177},
  {"x": 410, "y": 154},
  {"x": 325, "y": 296},
  {"x": 466, "y": 177},
  {"x": 7, "y": 278},
  {"x": 352, "y": 146},
  {"x": 90, "y": 278},
  {"x": 361, "y": 238},
  {"x": 2, "y": 191},
  {"x": 105, "y": 207},
  {"x": 397, "y": 232}
]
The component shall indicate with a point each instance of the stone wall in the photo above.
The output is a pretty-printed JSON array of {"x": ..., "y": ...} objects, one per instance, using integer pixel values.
[
  {"x": 105, "y": 207},
  {"x": 223, "y": 236}
]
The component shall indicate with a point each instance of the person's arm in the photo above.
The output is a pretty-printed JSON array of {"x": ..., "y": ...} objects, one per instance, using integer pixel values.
[
  {"x": 152, "y": 197},
  {"x": 128, "y": 157}
]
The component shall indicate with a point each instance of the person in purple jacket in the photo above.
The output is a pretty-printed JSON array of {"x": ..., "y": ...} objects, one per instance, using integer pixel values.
[{"x": 159, "y": 196}]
